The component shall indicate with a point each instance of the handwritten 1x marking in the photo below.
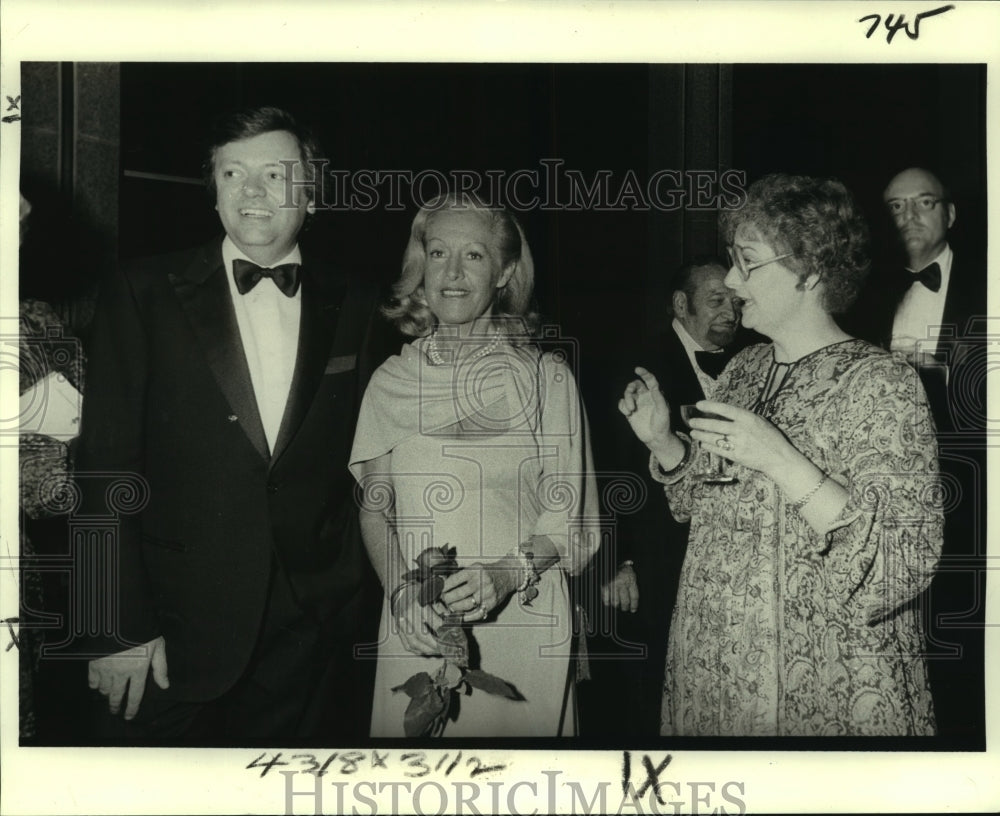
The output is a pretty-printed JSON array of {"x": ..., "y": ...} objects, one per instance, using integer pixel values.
[
  {"x": 652, "y": 774},
  {"x": 893, "y": 25},
  {"x": 653, "y": 777}
]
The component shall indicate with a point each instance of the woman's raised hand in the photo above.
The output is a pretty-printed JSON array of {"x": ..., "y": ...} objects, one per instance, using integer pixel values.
[{"x": 646, "y": 410}]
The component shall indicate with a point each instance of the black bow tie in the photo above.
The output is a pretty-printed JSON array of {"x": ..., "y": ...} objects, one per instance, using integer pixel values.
[
  {"x": 248, "y": 275},
  {"x": 929, "y": 276},
  {"x": 712, "y": 362}
]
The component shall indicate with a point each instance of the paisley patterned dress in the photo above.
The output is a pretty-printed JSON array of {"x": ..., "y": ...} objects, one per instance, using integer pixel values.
[{"x": 779, "y": 629}]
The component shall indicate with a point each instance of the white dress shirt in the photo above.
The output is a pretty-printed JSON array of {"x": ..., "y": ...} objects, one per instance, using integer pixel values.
[
  {"x": 269, "y": 329},
  {"x": 691, "y": 346},
  {"x": 920, "y": 313}
]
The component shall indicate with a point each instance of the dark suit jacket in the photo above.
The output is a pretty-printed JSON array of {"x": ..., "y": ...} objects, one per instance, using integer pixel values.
[
  {"x": 169, "y": 398},
  {"x": 963, "y": 351},
  {"x": 964, "y": 299}
]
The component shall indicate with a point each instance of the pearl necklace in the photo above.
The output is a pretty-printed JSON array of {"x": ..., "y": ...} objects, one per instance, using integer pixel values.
[{"x": 437, "y": 359}]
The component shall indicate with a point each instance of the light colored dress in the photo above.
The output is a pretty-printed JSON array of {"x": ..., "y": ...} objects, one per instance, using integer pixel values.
[
  {"x": 483, "y": 456},
  {"x": 780, "y": 630}
]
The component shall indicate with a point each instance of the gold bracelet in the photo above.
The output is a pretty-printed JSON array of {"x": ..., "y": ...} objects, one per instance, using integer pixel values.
[
  {"x": 801, "y": 502},
  {"x": 399, "y": 591}
]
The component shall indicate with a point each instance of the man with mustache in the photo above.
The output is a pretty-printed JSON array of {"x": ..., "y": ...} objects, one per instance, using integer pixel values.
[
  {"x": 687, "y": 358},
  {"x": 225, "y": 381}
]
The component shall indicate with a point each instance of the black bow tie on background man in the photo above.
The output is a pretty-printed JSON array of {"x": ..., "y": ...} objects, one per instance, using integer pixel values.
[
  {"x": 248, "y": 275},
  {"x": 929, "y": 276},
  {"x": 712, "y": 362}
]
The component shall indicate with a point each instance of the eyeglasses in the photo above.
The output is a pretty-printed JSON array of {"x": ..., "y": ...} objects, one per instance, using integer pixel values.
[
  {"x": 898, "y": 206},
  {"x": 737, "y": 260}
]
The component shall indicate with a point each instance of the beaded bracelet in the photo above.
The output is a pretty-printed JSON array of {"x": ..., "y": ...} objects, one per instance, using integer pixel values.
[
  {"x": 659, "y": 473},
  {"x": 530, "y": 575},
  {"x": 802, "y": 501}
]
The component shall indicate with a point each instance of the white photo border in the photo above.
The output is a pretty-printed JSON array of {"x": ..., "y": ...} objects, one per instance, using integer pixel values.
[{"x": 68, "y": 780}]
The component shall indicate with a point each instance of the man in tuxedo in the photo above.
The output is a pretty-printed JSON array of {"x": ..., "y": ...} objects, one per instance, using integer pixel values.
[
  {"x": 686, "y": 359},
  {"x": 928, "y": 302},
  {"x": 224, "y": 383},
  {"x": 930, "y": 318}
]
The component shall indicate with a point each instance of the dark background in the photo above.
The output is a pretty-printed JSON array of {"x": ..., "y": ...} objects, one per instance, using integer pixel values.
[
  {"x": 93, "y": 133},
  {"x": 90, "y": 128},
  {"x": 601, "y": 275}
]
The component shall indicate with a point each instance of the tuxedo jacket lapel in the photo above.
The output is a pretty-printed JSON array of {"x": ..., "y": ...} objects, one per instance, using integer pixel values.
[
  {"x": 320, "y": 312},
  {"x": 203, "y": 293},
  {"x": 687, "y": 387},
  {"x": 966, "y": 297}
]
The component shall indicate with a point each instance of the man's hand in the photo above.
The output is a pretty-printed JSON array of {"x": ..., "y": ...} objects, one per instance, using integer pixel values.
[
  {"x": 623, "y": 590},
  {"x": 126, "y": 671}
]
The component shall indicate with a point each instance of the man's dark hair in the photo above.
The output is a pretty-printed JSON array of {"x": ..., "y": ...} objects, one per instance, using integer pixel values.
[
  {"x": 250, "y": 122},
  {"x": 683, "y": 278}
]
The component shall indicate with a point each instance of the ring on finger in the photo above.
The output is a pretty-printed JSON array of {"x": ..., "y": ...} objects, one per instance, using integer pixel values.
[{"x": 724, "y": 443}]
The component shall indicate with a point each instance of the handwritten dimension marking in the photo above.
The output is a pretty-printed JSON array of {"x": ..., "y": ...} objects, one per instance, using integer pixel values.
[{"x": 415, "y": 763}]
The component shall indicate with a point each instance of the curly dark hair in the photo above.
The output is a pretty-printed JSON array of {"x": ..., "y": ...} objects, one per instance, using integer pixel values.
[{"x": 816, "y": 220}]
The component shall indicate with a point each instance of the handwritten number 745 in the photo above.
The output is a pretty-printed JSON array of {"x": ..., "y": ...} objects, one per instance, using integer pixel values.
[{"x": 893, "y": 25}]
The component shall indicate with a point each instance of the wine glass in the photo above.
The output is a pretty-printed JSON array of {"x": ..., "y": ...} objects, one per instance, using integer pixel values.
[{"x": 716, "y": 472}]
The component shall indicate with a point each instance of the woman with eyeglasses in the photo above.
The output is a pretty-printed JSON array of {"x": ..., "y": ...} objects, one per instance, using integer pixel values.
[{"x": 796, "y": 613}]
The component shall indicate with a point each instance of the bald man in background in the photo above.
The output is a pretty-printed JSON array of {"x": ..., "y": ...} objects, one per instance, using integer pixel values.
[{"x": 931, "y": 309}]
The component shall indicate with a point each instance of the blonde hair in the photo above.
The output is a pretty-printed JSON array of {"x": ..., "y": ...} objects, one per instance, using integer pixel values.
[{"x": 408, "y": 308}]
